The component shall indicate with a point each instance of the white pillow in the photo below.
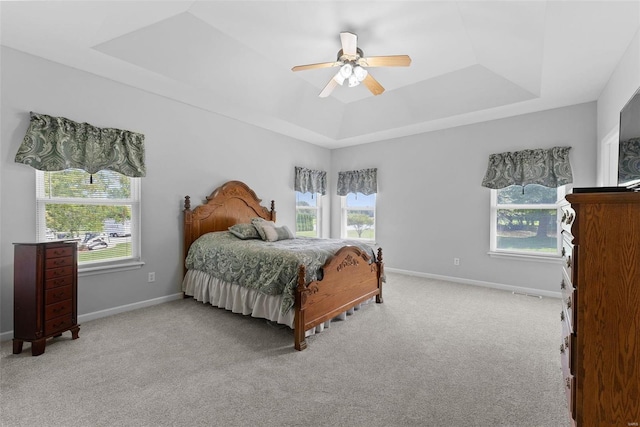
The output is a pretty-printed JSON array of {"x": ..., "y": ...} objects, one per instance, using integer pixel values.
[{"x": 269, "y": 232}]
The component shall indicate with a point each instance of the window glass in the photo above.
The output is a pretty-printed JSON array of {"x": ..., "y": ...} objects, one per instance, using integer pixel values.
[
  {"x": 526, "y": 222},
  {"x": 532, "y": 194},
  {"x": 99, "y": 211},
  {"x": 308, "y": 212},
  {"x": 359, "y": 216}
]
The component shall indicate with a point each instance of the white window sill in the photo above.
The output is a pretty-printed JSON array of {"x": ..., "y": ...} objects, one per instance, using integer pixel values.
[
  {"x": 91, "y": 270},
  {"x": 553, "y": 259}
]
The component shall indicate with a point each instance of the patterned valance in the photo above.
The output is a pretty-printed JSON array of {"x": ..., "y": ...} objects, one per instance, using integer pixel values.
[
  {"x": 364, "y": 181},
  {"x": 310, "y": 181},
  {"x": 57, "y": 143},
  {"x": 629, "y": 160},
  {"x": 547, "y": 167}
]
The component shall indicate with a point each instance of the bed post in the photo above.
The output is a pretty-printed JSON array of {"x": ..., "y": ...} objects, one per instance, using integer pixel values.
[
  {"x": 380, "y": 276},
  {"x": 188, "y": 220},
  {"x": 298, "y": 322},
  {"x": 273, "y": 210}
]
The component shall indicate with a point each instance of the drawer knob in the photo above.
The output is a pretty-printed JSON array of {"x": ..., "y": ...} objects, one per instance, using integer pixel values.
[
  {"x": 566, "y": 342},
  {"x": 562, "y": 316},
  {"x": 564, "y": 251},
  {"x": 569, "y": 218},
  {"x": 563, "y": 285},
  {"x": 561, "y": 349},
  {"x": 568, "y": 382},
  {"x": 569, "y": 303},
  {"x": 569, "y": 261}
]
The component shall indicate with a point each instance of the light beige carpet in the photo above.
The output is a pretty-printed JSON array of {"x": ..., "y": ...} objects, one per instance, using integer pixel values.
[{"x": 434, "y": 354}]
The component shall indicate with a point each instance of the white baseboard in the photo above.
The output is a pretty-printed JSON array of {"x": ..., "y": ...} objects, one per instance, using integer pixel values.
[
  {"x": 5, "y": 336},
  {"x": 511, "y": 288}
]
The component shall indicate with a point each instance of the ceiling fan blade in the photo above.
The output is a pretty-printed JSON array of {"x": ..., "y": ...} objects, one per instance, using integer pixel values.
[
  {"x": 386, "y": 61},
  {"x": 314, "y": 66},
  {"x": 328, "y": 88},
  {"x": 349, "y": 43},
  {"x": 373, "y": 85}
]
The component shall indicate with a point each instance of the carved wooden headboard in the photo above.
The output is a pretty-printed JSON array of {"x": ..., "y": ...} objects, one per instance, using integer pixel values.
[{"x": 231, "y": 203}]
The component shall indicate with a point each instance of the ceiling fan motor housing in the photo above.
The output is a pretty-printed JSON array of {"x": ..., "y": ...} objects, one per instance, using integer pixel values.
[{"x": 342, "y": 57}]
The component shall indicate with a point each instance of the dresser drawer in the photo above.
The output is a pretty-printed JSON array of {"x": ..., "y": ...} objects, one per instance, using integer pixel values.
[
  {"x": 565, "y": 360},
  {"x": 570, "y": 393},
  {"x": 568, "y": 255},
  {"x": 60, "y": 251},
  {"x": 569, "y": 301},
  {"x": 566, "y": 284},
  {"x": 58, "y": 309},
  {"x": 567, "y": 348},
  {"x": 61, "y": 323},
  {"x": 58, "y": 262},
  {"x": 58, "y": 281},
  {"x": 567, "y": 306},
  {"x": 58, "y": 272},
  {"x": 58, "y": 294}
]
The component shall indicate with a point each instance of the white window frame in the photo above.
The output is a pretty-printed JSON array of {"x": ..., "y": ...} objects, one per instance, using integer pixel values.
[
  {"x": 493, "y": 218},
  {"x": 608, "y": 159},
  {"x": 317, "y": 209},
  {"x": 344, "y": 211},
  {"x": 96, "y": 267}
]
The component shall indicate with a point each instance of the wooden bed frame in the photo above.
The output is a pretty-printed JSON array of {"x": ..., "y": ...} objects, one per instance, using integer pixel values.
[{"x": 349, "y": 277}]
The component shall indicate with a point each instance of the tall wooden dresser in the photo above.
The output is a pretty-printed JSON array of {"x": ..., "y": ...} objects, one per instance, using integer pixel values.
[
  {"x": 600, "y": 346},
  {"x": 45, "y": 293}
]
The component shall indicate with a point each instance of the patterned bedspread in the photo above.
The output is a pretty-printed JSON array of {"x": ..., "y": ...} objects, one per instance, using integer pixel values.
[{"x": 269, "y": 267}]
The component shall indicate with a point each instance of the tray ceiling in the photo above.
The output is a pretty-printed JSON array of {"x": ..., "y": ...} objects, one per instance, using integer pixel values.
[{"x": 471, "y": 61}]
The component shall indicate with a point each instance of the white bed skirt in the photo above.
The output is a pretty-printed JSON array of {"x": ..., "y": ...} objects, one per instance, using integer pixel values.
[{"x": 239, "y": 299}]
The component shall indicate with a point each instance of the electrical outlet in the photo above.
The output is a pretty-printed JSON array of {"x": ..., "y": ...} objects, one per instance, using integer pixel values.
[
  {"x": 456, "y": 261},
  {"x": 152, "y": 276}
]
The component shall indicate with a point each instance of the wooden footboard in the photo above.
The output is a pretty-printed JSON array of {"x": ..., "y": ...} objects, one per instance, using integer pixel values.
[{"x": 349, "y": 278}]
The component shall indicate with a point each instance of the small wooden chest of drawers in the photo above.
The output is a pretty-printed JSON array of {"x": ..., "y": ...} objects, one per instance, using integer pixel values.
[{"x": 44, "y": 293}]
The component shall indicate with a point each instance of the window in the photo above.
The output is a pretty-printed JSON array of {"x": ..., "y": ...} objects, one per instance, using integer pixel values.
[
  {"x": 102, "y": 216},
  {"x": 358, "y": 216},
  {"x": 308, "y": 214},
  {"x": 526, "y": 222}
]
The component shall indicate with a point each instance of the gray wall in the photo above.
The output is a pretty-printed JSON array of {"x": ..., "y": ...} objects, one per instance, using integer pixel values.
[
  {"x": 188, "y": 152},
  {"x": 416, "y": 175},
  {"x": 432, "y": 208},
  {"x": 622, "y": 84}
]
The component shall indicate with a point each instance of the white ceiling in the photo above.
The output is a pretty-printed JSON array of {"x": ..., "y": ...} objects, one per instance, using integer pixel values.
[{"x": 471, "y": 61}]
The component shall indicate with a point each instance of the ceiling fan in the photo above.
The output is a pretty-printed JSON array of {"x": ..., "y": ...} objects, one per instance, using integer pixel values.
[{"x": 351, "y": 61}]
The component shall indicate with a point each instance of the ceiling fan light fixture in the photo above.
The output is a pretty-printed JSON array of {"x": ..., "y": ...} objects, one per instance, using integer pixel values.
[
  {"x": 346, "y": 70},
  {"x": 339, "y": 78},
  {"x": 353, "y": 81},
  {"x": 360, "y": 73}
]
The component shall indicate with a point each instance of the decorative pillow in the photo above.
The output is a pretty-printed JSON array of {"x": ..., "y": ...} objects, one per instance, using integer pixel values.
[
  {"x": 277, "y": 233},
  {"x": 259, "y": 224},
  {"x": 244, "y": 231},
  {"x": 269, "y": 232}
]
